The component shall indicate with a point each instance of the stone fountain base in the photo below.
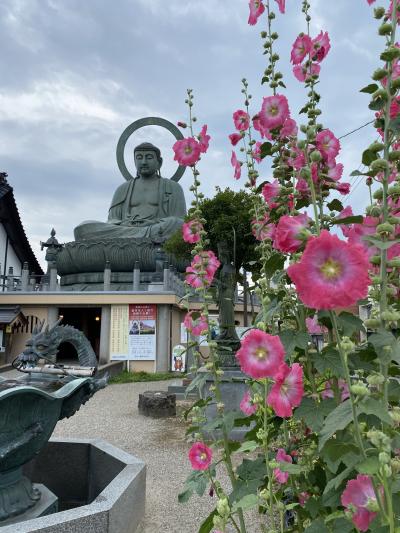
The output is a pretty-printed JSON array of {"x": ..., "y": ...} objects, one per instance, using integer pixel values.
[{"x": 100, "y": 488}]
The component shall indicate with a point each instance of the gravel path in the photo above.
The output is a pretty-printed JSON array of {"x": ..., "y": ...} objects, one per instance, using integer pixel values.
[{"x": 112, "y": 415}]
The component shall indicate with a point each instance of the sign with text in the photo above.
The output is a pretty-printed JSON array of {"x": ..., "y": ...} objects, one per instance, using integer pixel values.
[
  {"x": 119, "y": 332},
  {"x": 142, "y": 332}
]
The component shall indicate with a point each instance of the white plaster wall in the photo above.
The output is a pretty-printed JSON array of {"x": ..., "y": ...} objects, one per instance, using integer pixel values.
[{"x": 12, "y": 259}]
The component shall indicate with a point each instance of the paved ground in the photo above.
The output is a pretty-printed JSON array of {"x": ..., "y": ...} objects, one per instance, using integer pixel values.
[{"x": 112, "y": 415}]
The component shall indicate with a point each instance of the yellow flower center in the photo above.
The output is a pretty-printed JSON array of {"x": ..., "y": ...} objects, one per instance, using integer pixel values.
[
  {"x": 261, "y": 353},
  {"x": 331, "y": 269},
  {"x": 203, "y": 456},
  {"x": 273, "y": 110},
  {"x": 188, "y": 150}
]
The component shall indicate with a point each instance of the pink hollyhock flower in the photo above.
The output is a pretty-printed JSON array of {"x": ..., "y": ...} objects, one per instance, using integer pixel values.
[
  {"x": 270, "y": 191},
  {"x": 299, "y": 161},
  {"x": 302, "y": 187},
  {"x": 234, "y": 138},
  {"x": 303, "y": 497},
  {"x": 202, "y": 269},
  {"x": 200, "y": 456},
  {"x": 281, "y": 5},
  {"x": 197, "y": 326},
  {"x": 344, "y": 213},
  {"x": 246, "y": 405},
  {"x": 314, "y": 172},
  {"x": 313, "y": 327},
  {"x": 236, "y": 165},
  {"x": 288, "y": 233},
  {"x": 335, "y": 171},
  {"x": 191, "y": 231},
  {"x": 241, "y": 120},
  {"x": 264, "y": 132},
  {"x": 274, "y": 111},
  {"x": 343, "y": 188},
  {"x": 197, "y": 280},
  {"x": 187, "y": 152},
  {"x": 206, "y": 260},
  {"x": 263, "y": 229},
  {"x": 320, "y": 46},
  {"x": 257, "y": 152},
  {"x": 327, "y": 144},
  {"x": 204, "y": 139},
  {"x": 360, "y": 500},
  {"x": 393, "y": 251},
  {"x": 331, "y": 273},
  {"x": 343, "y": 388},
  {"x": 289, "y": 129},
  {"x": 300, "y": 49},
  {"x": 282, "y": 457},
  {"x": 256, "y": 10},
  {"x": 260, "y": 354},
  {"x": 287, "y": 390},
  {"x": 304, "y": 72},
  {"x": 390, "y": 11},
  {"x": 357, "y": 232},
  {"x": 370, "y": 2}
]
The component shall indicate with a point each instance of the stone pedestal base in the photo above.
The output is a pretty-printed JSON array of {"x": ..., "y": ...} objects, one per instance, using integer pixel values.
[
  {"x": 232, "y": 388},
  {"x": 48, "y": 504},
  {"x": 157, "y": 404}
]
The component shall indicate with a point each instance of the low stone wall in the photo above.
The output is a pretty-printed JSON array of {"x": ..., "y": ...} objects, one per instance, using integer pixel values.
[{"x": 100, "y": 488}]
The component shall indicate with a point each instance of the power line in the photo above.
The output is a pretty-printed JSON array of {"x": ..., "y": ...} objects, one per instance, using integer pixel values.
[{"x": 357, "y": 129}]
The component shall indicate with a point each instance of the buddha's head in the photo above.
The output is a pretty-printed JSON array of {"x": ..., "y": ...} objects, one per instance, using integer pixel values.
[{"x": 148, "y": 160}]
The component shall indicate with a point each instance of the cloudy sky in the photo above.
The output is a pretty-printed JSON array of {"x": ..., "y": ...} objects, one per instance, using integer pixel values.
[{"x": 75, "y": 73}]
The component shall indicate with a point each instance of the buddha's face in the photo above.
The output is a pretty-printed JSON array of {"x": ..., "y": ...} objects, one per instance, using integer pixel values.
[{"x": 146, "y": 163}]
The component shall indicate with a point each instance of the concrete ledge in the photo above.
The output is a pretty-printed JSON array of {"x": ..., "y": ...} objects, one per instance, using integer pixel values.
[
  {"x": 113, "y": 368},
  {"x": 101, "y": 489}
]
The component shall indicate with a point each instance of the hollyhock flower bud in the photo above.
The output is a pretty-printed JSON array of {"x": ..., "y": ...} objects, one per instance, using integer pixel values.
[
  {"x": 379, "y": 12},
  {"x": 274, "y": 111},
  {"x": 287, "y": 392},
  {"x": 241, "y": 120},
  {"x": 357, "y": 498},
  {"x": 260, "y": 354},
  {"x": 379, "y": 74},
  {"x": 223, "y": 508},
  {"x": 280, "y": 476},
  {"x": 375, "y": 379},
  {"x": 256, "y": 10},
  {"x": 331, "y": 273},
  {"x": 379, "y": 165},
  {"x": 182, "y": 124},
  {"x": 200, "y": 456},
  {"x": 303, "y": 497},
  {"x": 360, "y": 389},
  {"x": 187, "y": 151},
  {"x": 288, "y": 234}
]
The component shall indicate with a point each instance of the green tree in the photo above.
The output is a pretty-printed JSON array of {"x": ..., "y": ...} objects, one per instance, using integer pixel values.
[{"x": 228, "y": 218}]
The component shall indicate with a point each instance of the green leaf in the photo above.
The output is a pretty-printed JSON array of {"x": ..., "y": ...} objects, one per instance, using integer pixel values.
[
  {"x": 313, "y": 506},
  {"x": 198, "y": 382},
  {"x": 342, "y": 525},
  {"x": 349, "y": 323},
  {"x": 314, "y": 413},
  {"x": 243, "y": 488},
  {"x": 252, "y": 469},
  {"x": 370, "y": 406},
  {"x": 329, "y": 359},
  {"x": 369, "y": 466},
  {"x": 368, "y": 156},
  {"x": 200, "y": 403},
  {"x": 382, "y": 245},
  {"x": 385, "y": 338},
  {"x": 291, "y": 340},
  {"x": 291, "y": 468},
  {"x": 354, "y": 219},
  {"x": 335, "y": 205},
  {"x": 317, "y": 527},
  {"x": 369, "y": 89},
  {"x": 265, "y": 149},
  {"x": 334, "y": 452},
  {"x": 274, "y": 263},
  {"x": 207, "y": 524},
  {"x": 376, "y": 105},
  {"x": 249, "y": 446},
  {"x": 247, "y": 502},
  {"x": 196, "y": 482},
  {"x": 334, "y": 483},
  {"x": 396, "y": 486},
  {"x": 358, "y": 173},
  {"x": 339, "y": 418}
]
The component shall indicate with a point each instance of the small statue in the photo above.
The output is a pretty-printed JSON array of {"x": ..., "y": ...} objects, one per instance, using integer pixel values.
[
  {"x": 227, "y": 339},
  {"x": 147, "y": 206}
]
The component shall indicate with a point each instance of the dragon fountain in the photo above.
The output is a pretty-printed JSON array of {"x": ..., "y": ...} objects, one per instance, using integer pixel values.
[{"x": 32, "y": 405}]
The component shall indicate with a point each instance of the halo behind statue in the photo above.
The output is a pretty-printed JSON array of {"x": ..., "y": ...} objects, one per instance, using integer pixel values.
[{"x": 148, "y": 121}]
